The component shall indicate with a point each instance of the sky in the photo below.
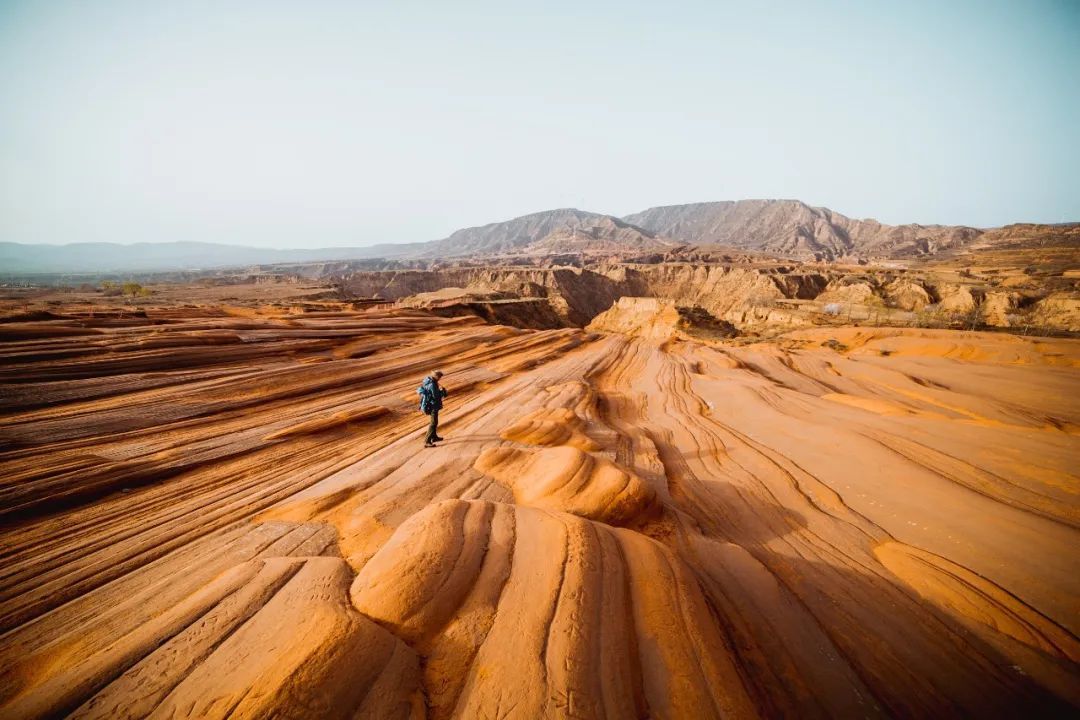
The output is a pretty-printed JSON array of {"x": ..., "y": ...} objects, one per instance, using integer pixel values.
[{"x": 319, "y": 123}]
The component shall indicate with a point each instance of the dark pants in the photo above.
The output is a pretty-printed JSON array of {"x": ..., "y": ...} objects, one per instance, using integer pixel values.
[{"x": 433, "y": 428}]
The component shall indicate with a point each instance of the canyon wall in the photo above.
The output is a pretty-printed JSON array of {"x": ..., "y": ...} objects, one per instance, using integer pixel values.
[{"x": 771, "y": 296}]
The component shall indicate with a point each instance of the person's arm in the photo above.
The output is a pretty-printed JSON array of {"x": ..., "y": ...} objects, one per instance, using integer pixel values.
[{"x": 443, "y": 391}]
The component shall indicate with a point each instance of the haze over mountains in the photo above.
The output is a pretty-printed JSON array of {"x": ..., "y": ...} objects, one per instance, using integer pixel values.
[
  {"x": 142, "y": 257},
  {"x": 787, "y": 228}
]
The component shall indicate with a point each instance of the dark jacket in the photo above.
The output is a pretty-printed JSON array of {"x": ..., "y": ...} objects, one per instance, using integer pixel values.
[{"x": 431, "y": 395}]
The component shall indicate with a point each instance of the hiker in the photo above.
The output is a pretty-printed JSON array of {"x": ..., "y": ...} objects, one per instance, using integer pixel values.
[{"x": 431, "y": 397}]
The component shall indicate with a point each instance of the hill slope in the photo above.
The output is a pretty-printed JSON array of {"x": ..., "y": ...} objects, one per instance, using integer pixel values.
[
  {"x": 561, "y": 230},
  {"x": 605, "y": 234},
  {"x": 795, "y": 229}
]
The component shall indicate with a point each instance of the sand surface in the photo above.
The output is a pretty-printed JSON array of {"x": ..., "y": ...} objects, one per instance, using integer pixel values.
[{"x": 208, "y": 513}]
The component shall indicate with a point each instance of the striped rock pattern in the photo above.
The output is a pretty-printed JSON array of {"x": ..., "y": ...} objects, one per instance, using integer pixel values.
[{"x": 213, "y": 515}]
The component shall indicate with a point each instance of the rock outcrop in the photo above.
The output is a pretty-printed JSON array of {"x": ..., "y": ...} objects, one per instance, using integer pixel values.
[
  {"x": 956, "y": 299},
  {"x": 998, "y": 309},
  {"x": 639, "y": 317},
  {"x": 906, "y": 294},
  {"x": 848, "y": 291},
  {"x": 1060, "y": 311},
  {"x": 496, "y": 307},
  {"x": 575, "y": 296}
]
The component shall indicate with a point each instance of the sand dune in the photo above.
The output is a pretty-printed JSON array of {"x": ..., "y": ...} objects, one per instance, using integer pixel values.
[{"x": 208, "y": 515}]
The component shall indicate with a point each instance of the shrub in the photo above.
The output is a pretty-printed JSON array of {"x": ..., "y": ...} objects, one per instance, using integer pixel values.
[
  {"x": 873, "y": 301},
  {"x": 834, "y": 344}
]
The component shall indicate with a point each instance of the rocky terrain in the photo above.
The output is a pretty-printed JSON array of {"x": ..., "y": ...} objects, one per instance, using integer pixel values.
[
  {"x": 678, "y": 481},
  {"x": 1023, "y": 279},
  {"x": 761, "y": 298},
  {"x": 215, "y": 509}
]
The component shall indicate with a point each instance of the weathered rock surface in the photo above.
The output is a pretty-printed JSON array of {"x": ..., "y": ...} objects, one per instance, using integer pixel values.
[
  {"x": 493, "y": 306},
  {"x": 956, "y": 299},
  {"x": 842, "y": 291},
  {"x": 209, "y": 513},
  {"x": 997, "y": 308},
  {"x": 574, "y": 296},
  {"x": 571, "y": 480},
  {"x": 640, "y": 317},
  {"x": 906, "y": 295}
]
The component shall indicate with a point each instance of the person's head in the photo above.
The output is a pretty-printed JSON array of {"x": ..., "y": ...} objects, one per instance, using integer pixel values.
[{"x": 437, "y": 374}]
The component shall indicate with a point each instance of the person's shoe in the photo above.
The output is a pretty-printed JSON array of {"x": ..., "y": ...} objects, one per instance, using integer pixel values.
[
  {"x": 429, "y": 444},
  {"x": 438, "y": 439}
]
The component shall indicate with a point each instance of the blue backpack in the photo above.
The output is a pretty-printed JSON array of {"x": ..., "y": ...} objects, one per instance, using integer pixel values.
[{"x": 426, "y": 399}]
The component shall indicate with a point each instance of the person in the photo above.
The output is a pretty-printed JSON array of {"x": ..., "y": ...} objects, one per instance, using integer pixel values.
[{"x": 431, "y": 397}]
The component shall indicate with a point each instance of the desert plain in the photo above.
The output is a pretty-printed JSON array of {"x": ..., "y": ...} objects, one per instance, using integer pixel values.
[{"x": 683, "y": 487}]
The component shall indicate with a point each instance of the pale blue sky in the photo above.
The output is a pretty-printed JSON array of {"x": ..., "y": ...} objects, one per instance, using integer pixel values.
[{"x": 302, "y": 124}]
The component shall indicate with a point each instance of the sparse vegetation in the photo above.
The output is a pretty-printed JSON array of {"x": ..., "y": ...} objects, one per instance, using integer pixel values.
[
  {"x": 699, "y": 322},
  {"x": 134, "y": 289},
  {"x": 111, "y": 289}
]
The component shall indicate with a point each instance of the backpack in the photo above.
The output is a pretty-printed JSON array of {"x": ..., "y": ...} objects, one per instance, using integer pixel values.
[{"x": 424, "y": 391}]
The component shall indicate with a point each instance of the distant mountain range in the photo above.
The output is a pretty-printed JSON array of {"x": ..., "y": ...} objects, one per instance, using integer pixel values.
[
  {"x": 793, "y": 229},
  {"x": 787, "y": 228},
  {"x": 552, "y": 231},
  {"x": 146, "y": 257}
]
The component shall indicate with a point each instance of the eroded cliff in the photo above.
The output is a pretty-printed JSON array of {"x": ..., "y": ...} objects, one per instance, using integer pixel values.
[{"x": 756, "y": 297}]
